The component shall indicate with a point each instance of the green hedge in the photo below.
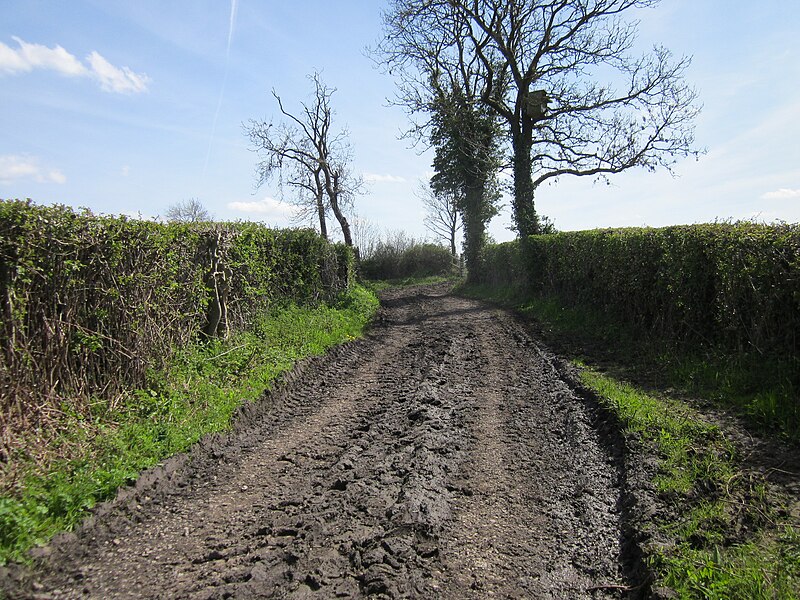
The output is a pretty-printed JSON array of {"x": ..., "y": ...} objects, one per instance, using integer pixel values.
[
  {"x": 88, "y": 304},
  {"x": 735, "y": 285}
]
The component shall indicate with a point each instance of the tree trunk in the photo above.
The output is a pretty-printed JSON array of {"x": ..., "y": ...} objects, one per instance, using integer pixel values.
[
  {"x": 474, "y": 230},
  {"x": 348, "y": 238},
  {"x": 525, "y": 215},
  {"x": 323, "y": 227},
  {"x": 332, "y": 187}
]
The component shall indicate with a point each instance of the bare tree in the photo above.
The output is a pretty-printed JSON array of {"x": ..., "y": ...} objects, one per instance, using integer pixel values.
[
  {"x": 188, "y": 211},
  {"x": 441, "y": 218},
  {"x": 309, "y": 158},
  {"x": 366, "y": 236},
  {"x": 562, "y": 76}
]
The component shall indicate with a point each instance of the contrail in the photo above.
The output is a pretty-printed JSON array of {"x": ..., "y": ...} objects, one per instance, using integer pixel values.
[
  {"x": 230, "y": 27},
  {"x": 234, "y": 5}
]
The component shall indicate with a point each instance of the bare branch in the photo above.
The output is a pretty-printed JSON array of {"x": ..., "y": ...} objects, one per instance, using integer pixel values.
[{"x": 562, "y": 76}]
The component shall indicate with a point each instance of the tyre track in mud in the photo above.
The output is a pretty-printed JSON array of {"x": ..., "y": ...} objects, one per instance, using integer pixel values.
[{"x": 441, "y": 457}]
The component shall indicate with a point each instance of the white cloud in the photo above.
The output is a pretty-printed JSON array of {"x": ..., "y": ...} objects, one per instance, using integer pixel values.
[
  {"x": 14, "y": 168},
  {"x": 125, "y": 171},
  {"x": 56, "y": 176},
  {"x": 28, "y": 57},
  {"x": 115, "y": 79},
  {"x": 781, "y": 194},
  {"x": 35, "y": 56},
  {"x": 266, "y": 207},
  {"x": 376, "y": 178}
]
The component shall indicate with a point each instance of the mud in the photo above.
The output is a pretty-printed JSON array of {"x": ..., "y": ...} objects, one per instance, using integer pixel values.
[{"x": 444, "y": 456}]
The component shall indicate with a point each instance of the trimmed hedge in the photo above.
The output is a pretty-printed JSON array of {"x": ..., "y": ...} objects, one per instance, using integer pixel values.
[
  {"x": 88, "y": 304},
  {"x": 731, "y": 284}
]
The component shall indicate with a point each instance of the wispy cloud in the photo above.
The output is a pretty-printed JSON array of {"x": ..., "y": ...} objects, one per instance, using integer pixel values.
[
  {"x": 781, "y": 194},
  {"x": 27, "y": 57},
  {"x": 231, "y": 23},
  {"x": 266, "y": 207},
  {"x": 15, "y": 168},
  {"x": 377, "y": 178}
]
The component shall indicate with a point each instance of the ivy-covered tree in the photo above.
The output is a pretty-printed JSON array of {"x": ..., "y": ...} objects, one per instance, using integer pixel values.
[
  {"x": 466, "y": 161},
  {"x": 564, "y": 78},
  {"x": 448, "y": 114}
]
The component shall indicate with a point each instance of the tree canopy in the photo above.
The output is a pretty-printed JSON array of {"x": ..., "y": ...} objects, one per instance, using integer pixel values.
[{"x": 188, "y": 211}]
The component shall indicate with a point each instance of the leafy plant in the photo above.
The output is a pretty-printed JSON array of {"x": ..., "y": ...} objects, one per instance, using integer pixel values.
[{"x": 721, "y": 300}]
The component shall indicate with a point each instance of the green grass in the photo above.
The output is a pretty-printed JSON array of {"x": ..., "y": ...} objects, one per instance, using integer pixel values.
[
  {"x": 721, "y": 534},
  {"x": 726, "y": 538},
  {"x": 382, "y": 284},
  {"x": 196, "y": 395}
]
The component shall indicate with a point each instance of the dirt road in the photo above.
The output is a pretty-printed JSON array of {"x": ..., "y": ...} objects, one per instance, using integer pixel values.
[{"x": 441, "y": 457}]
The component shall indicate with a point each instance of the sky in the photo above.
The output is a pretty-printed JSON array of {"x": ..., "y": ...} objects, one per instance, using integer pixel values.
[{"x": 130, "y": 107}]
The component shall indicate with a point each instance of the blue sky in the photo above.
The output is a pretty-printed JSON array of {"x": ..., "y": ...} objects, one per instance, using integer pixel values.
[{"x": 129, "y": 107}]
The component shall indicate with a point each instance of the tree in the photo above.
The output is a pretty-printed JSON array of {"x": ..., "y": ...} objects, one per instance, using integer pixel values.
[
  {"x": 309, "y": 158},
  {"x": 562, "y": 76},
  {"x": 466, "y": 161},
  {"x": 441, "y": 217},
  {"x": 436, "y": 82},
  {"x": 188, "y": 211}
]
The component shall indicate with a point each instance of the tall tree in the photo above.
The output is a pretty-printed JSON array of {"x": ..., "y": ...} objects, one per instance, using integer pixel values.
[
  {"x": 466, "y": 161},
  {"x": 308, "y": 157},
  {"x": 441, "y": 92},
  {"x": 563, "y": 77}
]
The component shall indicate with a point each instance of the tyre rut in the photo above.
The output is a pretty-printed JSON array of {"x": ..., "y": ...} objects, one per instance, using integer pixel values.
[{"x": 442, "y": 457}]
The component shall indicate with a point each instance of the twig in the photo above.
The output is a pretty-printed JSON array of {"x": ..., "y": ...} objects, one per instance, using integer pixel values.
[{"x": 227, "y": 352}]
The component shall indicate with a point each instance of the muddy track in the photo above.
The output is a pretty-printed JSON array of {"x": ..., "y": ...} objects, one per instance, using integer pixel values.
[{"x": 441, "y": 457}]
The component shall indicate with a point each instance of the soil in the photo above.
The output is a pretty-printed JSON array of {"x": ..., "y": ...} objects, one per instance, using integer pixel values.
[{"x": 446, "y": 455}]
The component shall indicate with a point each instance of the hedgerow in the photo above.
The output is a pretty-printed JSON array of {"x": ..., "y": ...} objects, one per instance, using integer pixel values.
[
  {"x": 91, "y": 304},
  {"x": 393, "y": 261},
  {"x": 735, "y": 284}
]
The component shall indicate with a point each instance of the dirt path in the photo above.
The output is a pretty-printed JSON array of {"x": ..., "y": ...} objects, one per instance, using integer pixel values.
[{"x": 442, "y": 457}]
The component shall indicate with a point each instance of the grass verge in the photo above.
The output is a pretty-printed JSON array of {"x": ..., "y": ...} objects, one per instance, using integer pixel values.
[
  {"x": 720, "y": 530},
  {"x": 723, "y": 535},
  {"x": 377, "y": 285},
  {"x": 198, "y": 394}
]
